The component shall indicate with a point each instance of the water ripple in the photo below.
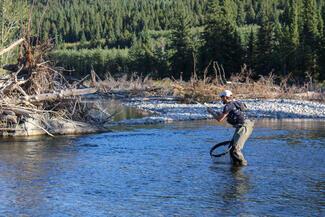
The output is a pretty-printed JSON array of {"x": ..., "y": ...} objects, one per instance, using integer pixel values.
[{"x": 164, "y": 171}]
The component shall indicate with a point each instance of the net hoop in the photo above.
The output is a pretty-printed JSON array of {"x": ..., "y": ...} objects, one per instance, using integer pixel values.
[{"x": 229, "y": 143}]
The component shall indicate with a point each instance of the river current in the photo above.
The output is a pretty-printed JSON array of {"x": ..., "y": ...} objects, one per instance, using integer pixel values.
[{"x": 166, "y": 170}]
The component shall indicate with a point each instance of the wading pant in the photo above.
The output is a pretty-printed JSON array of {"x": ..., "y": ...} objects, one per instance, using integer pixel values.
[{"x": 240, "y": 136}]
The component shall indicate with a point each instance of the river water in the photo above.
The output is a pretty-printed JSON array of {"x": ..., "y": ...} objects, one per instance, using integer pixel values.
[{"x": 166, "y": 170}]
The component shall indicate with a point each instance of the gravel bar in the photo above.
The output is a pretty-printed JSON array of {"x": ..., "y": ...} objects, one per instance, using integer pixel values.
[{"x": 171, "y": 110}]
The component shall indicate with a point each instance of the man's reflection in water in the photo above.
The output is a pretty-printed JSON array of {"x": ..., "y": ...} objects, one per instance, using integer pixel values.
[
  {"x": 238, "y": 185},
  {"x": 233, "y": 192}
]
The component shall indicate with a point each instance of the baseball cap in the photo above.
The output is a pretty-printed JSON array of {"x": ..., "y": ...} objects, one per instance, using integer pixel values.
[{"x": 226, "y": 93}]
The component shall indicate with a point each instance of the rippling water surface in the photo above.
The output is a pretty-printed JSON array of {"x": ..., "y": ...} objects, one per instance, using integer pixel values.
[{"x": 165, "y": 170}]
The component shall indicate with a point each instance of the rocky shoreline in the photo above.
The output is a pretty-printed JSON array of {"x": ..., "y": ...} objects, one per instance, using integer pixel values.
[
  {"x": 169, "y": 110},
  {"x": 155, "y": 110}
]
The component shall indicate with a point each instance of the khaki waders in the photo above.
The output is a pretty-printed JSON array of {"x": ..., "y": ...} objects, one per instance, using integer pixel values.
[{"x": 240, "y": 137}]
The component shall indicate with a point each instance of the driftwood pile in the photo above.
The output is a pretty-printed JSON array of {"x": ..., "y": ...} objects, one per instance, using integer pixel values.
[{"x": 35, "y": 95}]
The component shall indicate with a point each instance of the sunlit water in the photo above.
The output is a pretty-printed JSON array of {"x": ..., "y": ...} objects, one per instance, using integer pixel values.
[{"x": 165, "y": 170}]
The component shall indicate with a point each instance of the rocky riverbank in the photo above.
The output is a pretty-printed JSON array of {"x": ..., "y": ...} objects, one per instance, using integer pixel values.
[{"x": 168, "y": 110}]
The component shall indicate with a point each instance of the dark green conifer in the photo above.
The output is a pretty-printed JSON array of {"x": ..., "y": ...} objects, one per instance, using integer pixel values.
[
  {"x": 264, "y": 46},
  {"x": 250, "y": 60},
  {"x": 182, "y": 48},
  {"x": 222, "y": 42},
  {"x": 310, "y": 36}
]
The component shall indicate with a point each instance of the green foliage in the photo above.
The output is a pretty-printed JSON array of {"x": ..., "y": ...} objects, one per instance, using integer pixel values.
[
  {"x": 222, "y": 41},
  {"x": 288, "y": 39},
  {"x": 310, "y": 38},
  {"x": 265, "y": 47},
  {"x": 321, "y": 54},
  {"x": 182, "y": 47},
  {"x": 161, "y": 36},
  {"x": 113, "y": 20},
  {"x": 250, "y": 57},
  {"x": 12, "y": 15},
  {"x": 102, "y": 61},
  {"x": 149, "y": 59}
]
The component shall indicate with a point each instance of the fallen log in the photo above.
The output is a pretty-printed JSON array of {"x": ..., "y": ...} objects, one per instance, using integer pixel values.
[
  {"x": 12, "y": 46},
  {"x": 11, "y": 129},
  {"x": 58, "y": 95},
  {"x": 36, "y": 95},
  {"x": 19, "y": 111}
]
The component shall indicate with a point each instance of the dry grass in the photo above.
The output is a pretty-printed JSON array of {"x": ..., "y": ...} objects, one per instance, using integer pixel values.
[
  {"x": 273, "y": 87},
  {"x": 132, "y": 85},
  {"x": 208, "y": 88}
]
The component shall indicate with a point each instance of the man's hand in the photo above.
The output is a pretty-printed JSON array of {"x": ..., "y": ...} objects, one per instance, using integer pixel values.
[
  {"x": 213, "y": 113},
  {"x": 210, "y": 110}
]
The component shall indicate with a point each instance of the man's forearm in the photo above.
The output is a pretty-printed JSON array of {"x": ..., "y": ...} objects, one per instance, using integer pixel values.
[
  {"x": 213, "y": 113},
  {"x": 217, "y": 115}
]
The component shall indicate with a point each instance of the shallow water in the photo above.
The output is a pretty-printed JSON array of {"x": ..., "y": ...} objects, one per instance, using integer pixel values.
[{"x": 165, "y": 170}]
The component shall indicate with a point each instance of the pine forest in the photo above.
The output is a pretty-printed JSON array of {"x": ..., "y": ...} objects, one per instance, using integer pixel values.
[{"x": 166, "y": 38}]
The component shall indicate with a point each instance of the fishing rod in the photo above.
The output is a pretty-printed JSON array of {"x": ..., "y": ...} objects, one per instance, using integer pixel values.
[
  {"x": 215, "y": 150},
  {"x": 214, "y": 114}
]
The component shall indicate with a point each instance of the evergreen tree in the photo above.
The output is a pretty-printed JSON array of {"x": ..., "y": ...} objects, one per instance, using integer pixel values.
[
  {"x": 280, "y": 48},
  {"x": 289, "y": 43},
  {"x": 321, "y": 60},
  {"x": 146, "y": 59},
  {"x": 264, "y": 46},
  {"x": 309, "y": 38},
  {"x": 288, "y": 35},
  {"x": 222, "y": 42},
  {"x": 128, "y": 15},
  {"x": 293, "y": 14},
  {"x": 181, "y": 45},
  {"x": 240, "y": 13},
  {"x": 251, "y": 15},
  {"x": 250, "y": 60}
]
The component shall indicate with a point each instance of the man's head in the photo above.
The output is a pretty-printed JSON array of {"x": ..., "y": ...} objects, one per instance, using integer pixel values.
[{"x": 226, "y": 96}]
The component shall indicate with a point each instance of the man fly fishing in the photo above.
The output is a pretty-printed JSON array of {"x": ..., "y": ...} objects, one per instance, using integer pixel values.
[{"x": 234, "y": 112}]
